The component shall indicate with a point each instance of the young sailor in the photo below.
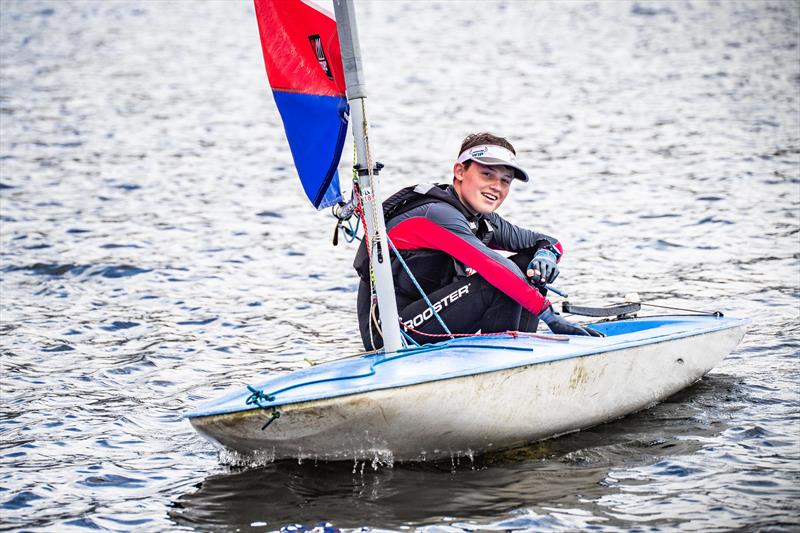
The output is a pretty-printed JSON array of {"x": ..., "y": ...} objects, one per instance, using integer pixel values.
[{"x": 448, "y": 236}]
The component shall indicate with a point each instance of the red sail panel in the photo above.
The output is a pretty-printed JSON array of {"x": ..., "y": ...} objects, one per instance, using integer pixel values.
[{"x": 301, "y": 47}]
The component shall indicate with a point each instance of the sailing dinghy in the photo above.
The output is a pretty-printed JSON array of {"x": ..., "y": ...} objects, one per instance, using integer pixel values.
[{"x": 464, "y": 395}]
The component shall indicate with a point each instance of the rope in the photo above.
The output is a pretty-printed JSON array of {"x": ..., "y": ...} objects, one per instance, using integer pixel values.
[
  {"x": 697, "y": 311},
  {"x": 373, "y": 319},
  {"x": 399, "y": 355},
  {"x": 419, "y": 288},
  {"x": 408, "y": 338},
  {"x": 350, "y": 232},
  {"x": 359, "y": 212},
  {"x": 513, "y": 334},
  {"x": 373, "y": 185},
  {"x": 257, "y": 397}
]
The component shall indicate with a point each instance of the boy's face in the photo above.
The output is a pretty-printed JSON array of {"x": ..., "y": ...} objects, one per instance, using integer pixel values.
[{"x": 482, "y": 188}]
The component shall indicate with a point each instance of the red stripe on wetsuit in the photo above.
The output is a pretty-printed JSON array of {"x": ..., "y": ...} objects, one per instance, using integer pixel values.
[{"x": 420, "y": 233}]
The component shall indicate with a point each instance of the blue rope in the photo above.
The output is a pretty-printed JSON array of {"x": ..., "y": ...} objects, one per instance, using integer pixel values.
[
  {"x": 409, "y": 338},
  {"x": 260, "y": 395},
  {"x": 254, "y": 399},
  {"x": 257, "y": 397},
  {"x": 422, "y": 292},
  {"x": 350, "y": 234}
]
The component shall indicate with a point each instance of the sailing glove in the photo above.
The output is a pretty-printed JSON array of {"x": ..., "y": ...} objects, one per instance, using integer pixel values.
[
  {"x": 543, "y": 267},
  {"x": 560, "y": 325}
]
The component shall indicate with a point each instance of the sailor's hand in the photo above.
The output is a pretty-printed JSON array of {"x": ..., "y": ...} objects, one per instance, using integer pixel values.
[
  {"x": 543, "y": 267},
  {"x": 560, "y": 325}
]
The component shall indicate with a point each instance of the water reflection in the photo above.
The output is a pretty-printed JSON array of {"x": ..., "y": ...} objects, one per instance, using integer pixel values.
[{"x": 354, "y": 495}]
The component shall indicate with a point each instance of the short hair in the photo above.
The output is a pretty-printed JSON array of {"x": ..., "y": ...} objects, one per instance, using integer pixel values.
[{"x": 478, "y": 139}]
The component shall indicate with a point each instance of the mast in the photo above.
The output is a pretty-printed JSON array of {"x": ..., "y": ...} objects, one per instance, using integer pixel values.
[{"x": 367, "y": 180}]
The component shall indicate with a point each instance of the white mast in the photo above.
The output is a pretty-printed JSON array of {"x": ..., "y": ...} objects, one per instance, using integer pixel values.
[{"x": 367, "y": 181}]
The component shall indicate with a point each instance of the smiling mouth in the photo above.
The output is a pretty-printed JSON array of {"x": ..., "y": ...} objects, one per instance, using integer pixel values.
[{"x": 489, "y": 196}]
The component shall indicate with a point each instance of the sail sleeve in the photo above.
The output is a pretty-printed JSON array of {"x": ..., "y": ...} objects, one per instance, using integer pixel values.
[{"x": 304, "y": 67}]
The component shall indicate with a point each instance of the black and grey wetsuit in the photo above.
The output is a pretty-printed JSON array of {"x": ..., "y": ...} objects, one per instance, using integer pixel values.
[{"x": 453, "y": 256}]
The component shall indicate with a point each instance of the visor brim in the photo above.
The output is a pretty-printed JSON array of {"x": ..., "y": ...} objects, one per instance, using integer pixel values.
[{"x": 519, "y": 172}]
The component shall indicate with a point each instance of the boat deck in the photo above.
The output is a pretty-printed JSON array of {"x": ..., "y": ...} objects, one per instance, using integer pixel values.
[{"x": 454, "y": 358}]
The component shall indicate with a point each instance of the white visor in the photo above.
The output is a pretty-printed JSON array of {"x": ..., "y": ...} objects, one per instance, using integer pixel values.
[{"x": 491, "y": 155}]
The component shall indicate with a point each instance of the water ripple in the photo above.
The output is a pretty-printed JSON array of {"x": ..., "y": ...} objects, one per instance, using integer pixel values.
[{"x": 155, "y": 250}]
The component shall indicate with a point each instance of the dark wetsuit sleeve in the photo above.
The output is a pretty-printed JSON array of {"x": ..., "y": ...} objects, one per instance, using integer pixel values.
[
  {"x": 439, "y": 226},
  {"x": 507, "y": 236}
]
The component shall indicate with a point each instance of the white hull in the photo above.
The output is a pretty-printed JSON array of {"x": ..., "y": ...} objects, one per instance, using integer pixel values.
[{"x": 475, "y": 413}]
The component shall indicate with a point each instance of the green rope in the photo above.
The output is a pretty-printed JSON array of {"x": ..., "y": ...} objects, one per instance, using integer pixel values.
[{"x": 257, "y": 397}]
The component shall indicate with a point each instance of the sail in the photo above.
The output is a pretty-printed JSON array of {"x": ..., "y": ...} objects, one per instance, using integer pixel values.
[{"x": 304, "y": 67}]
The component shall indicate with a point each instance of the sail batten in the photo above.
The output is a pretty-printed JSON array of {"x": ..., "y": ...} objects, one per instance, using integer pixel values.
[{"x": 304, "y": 66}]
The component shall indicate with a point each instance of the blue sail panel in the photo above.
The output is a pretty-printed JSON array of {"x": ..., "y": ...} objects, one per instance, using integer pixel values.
[{"x": 316, "y": 127}]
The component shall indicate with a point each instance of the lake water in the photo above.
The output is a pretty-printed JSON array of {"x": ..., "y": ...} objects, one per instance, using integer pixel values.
[{"x": 156, "y": 250}]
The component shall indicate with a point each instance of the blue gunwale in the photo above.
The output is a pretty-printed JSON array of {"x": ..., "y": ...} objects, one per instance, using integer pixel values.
[{"x": 463, "y": 357}]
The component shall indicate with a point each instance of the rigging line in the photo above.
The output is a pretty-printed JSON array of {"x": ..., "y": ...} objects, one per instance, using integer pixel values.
[
  {"x": 667, "y": 315},
  {"x": 510, "y": 333},
  {"x": 699, "y": 311},
  {"x": 374, "y": 319},
  {"x": 373, "y": 184},
  {"x": 408, "y": 338},
  {"x": 359, "y": 212},
  {"x": 351, "y": 232},
  {"x": 259, "y": 395},
  {"x": 419, "y": 288},
  {"x": 375, "y": 238}
]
